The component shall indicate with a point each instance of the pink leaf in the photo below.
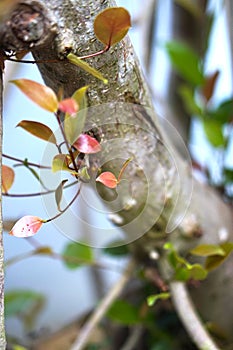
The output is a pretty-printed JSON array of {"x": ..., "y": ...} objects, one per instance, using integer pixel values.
[
  {"x": 108, "y": 179},
  {"x": 87, "y": 144},
  {"x": 69, "y": 105},
  {"x": 27, "y": 226}
]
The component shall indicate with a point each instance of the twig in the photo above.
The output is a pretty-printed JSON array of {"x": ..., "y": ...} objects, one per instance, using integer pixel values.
[
  {"x": 87, "y": 330},
  {"x": 133, "y": 338},
  {"x": 188, "y": 315}
]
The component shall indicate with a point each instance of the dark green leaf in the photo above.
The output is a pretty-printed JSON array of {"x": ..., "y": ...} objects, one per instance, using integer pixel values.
[
  {"x": 186, "y": 62},
  {"x": 228, "y": 175},
  {"x": 117, "y": 248},
  {"x": 21, "y": 301},
  {"x": 214, "y": 133},
  {"x": 224, "y": 113},
  {"x": 76, "y": 255},
  {"x": 151, "y": 300},
  {"x": 123, "y": 312}
]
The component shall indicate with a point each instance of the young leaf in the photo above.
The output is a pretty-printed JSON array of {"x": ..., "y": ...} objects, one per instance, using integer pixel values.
[
  {"x": 39, "y": 130},
  {"x": 186, "y": 62},
  {"x": 61, "y": 162},
  {"x": 207, "y": 250},
  {"x": 197, "y": 272},
  {"x": 85, "y": 66},
  {"x": 42, "y": 95},
  {"x": 111, "y": 25},
  {"x": 214, "y": 133},
  {"x": 74, "y": 125},
  {"x": 87, "y": 144},
  {"x": 69, "y": 105},
  {"x": 8, "y": 176},
  {"x": 187, "y": 95},
  {"x": 151, "y": 300},
  {"x": 58, "y": 194},
  {"x": 76, "y": 255},
  {"x": 117, "y": 248},
  {"x": 209, "y": 85},
  {"x": 212, "y": 262},
  {"x": 108, "y": 179},
  {"x": 27, "y": 226},
  {"x": 19, "y": 301}
]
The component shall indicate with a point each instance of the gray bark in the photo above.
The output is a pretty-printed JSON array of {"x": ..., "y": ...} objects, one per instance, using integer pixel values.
[{"x": 161, "y": 192}]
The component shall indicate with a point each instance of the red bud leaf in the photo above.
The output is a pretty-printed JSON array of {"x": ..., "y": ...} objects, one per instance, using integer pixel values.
[
  {"x": 108, "y": 179},
  {"x": 111, "y": 25},
  {"x": 8, "y": 176},
  {"x": 87, "y": 144},
  {"x": 27, "y": 226},
  {"x": 42, "y": 95},
  {"x": 39, "y": 130},
  {"x": 69, "y": 105}
]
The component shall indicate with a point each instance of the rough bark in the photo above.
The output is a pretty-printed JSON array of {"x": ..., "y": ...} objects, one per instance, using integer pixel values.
[{"x": 161, "y": 192}]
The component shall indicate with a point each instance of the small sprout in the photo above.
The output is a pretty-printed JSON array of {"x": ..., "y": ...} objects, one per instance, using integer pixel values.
[
  {"x": 87, "y": 144},
  {"x": 27, "y": 226},
  {"x": 69, "y": 105},
  {"x": 42, "y": 95},
  {"x": 109, "y": 179}
]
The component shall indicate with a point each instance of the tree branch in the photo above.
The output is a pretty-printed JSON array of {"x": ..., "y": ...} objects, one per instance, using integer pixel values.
[
  {"x": 110, "y": 297},
  {"x": 188, "y": 315}
]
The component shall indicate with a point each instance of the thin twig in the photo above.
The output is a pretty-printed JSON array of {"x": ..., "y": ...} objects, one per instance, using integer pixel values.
[
  {"x": 86, "y": 332},
  {"x": 133, "y": 339},
  {"x": 188, "y": 315},
  {"x": 23, "y": 162}
]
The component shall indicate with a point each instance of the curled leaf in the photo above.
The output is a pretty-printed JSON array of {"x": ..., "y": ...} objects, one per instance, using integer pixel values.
[
  {"x": 111, "y": 25},
  {"x": 87, "y": 144},
  {"x": 42, "y": 95},
  {"x": 69, "y": 105},
  {"x": 58, "y": 193},
  {"x": 85, "y": 66},
  {"x": 27, "y": 226},
  {"x": 108, "y": 179},
  {"x": 8, "y": 176},
  {"x": 39, "y": 130}
]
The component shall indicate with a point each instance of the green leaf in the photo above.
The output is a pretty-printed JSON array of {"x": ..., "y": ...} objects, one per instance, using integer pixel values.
[
  {"x": 39, "y": 130},
  {"x": 182, "y": 274},
  {"x": 228, "y": 175},
  {"x": 151, "y": 300},
  {"x": 116, "y": 248},
  {"x": 85, "y": 66},
  {"x": 83, "y": 174},
  {"x": 21, "y": 301},
  {"x": 124, "y": 313},
  {"x": 188, "y": 98},
  {"x": 224, "y": 113},
  {"x": 42, "y": 95},
  {"x": 61, "y": 162},
  {"x": 214, "y": 133},
  {"x": 186, "y": 62},
  {"x": 74, "y": 125},
  {"x": 76, "y": 255},
  {"x": 212, "y": 262},
  {"x": 111, "y": 25},
  {"x": 59, "y": 193},
  {"x": 197, "y": 272},
  {"x": 207, "y": 250}
]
